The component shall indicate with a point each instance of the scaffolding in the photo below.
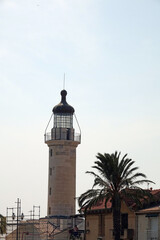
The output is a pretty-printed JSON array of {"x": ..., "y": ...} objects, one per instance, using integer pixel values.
[
  {"x": 32, "y": 227},
  {"x": 20, "y": 226}
]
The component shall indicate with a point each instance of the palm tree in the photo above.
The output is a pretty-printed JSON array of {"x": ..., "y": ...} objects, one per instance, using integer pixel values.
[
  {"x": 117, "y": 180},
  {"x": 2, "y": 224}
]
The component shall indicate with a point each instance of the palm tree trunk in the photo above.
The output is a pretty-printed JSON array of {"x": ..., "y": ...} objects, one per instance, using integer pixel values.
[
  {"x": 116, "y": 224},
  {"x": 116, "y": 217}
]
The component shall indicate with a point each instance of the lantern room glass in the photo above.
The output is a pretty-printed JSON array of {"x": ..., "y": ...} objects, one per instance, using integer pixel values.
[{"x": 63, "y": 121}]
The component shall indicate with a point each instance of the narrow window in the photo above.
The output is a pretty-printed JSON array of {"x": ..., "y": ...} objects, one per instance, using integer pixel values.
[
  {"x": 49, "y": 210},
  {"x": 50, "y": 171},
  {"x": 101, "y": 230},
  {"x": 50, "y": 152},
  {"x": 124, "y": 220},
  {"x": 50, "y": 191}
]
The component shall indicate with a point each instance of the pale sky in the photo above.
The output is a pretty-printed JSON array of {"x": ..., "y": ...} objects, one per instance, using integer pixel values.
[{"x": 110, "y": 53}]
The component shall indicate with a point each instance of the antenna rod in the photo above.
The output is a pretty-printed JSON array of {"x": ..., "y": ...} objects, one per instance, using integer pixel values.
[{"x": 64, "y": 82}]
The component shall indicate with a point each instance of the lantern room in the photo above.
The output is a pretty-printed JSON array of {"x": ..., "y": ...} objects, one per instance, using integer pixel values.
[
  {"x": 63, "y": 113},
  {"x": 62, "y": 128}
]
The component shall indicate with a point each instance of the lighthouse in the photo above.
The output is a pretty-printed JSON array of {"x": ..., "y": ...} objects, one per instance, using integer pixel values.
[{"x": 62, "y": 142}]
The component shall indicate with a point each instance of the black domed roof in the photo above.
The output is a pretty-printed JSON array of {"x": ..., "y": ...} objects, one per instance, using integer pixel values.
[{"x": 63, "y": 106}]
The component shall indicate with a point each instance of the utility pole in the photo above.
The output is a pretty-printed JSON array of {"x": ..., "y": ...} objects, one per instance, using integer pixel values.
[
  {"x": 18, "y": 216},
  {"x": 14, "y": 218}
]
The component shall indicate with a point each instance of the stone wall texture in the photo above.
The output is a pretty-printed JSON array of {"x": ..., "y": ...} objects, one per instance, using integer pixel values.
[{"x": 62, "y": 177}]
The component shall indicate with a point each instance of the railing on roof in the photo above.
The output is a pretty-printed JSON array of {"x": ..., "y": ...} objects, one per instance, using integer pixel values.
[
  {"x": 152, "y": 235},
  {"x": 48, "y": 137}
]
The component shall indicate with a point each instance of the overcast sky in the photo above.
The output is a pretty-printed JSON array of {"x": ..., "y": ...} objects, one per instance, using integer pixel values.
[{"x": 110, "y": 53}]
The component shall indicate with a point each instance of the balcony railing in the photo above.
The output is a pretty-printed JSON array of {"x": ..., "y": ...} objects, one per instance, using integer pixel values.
[
  {"x": 152, "y": 235},
  {"x": 125, "y": 233},
  {"x": 48, "y": 137}
]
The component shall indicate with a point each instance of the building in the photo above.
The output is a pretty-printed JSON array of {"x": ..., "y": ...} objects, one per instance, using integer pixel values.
[
  {"x": 148, "y": 223},
  {"x": 148, "y": 220},
  {"x": 135, "y": 225},
  {"x": 62, "y": 142},
  {"x": 99, "y": 222},
  {"x": 43, "y": 228}
]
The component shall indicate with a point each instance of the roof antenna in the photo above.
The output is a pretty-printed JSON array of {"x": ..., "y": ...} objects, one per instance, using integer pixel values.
[{"x": 64, "y": 82}]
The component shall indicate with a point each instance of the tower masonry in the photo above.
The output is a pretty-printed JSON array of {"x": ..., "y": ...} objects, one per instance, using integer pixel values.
[{"x": 62, "y": 142}]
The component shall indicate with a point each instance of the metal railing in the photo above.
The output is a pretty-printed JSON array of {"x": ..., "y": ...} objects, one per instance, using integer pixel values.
[
  {"x": 48, "y": 137},
  {"x": 152, "y": 235}
]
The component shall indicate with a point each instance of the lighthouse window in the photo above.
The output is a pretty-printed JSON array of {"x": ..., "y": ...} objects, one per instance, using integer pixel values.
[
  {"x": 50, "y": 191},
  {"x": 49, "y": 210},
  {"x": 51, "y": 152},
  {"x": 63, "y": 121},
  {"x": 50, "y": 171}
]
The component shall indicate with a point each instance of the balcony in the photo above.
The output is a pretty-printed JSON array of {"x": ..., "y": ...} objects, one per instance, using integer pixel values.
[
  {"x": 126, "y": 234},
  {"x": 152, "y": 235},
  {"x": 49, "y": 136}
]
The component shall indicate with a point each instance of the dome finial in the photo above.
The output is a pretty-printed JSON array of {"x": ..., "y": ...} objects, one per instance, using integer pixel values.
[
  {"x": 63, "y": 106},
  {"x": 63, "y": 94}
]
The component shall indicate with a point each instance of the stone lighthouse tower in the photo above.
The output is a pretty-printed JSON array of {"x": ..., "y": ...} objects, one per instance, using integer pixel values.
[{"x": 62, "y": 142}]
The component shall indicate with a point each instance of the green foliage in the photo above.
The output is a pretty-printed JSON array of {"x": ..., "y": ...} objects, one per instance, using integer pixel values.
[{"x": 2, "y": 224}]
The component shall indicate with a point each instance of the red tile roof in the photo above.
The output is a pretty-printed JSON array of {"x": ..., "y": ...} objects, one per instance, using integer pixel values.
[
  {"x": 101, "y": 205},
  {"x": 129, "y": 202}
]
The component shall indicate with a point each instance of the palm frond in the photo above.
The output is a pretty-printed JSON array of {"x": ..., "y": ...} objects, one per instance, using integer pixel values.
[{"x": 114, "y": 176}]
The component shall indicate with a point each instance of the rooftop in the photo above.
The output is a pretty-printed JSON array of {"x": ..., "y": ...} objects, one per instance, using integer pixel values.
[{"x": 129, "y": 202}]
